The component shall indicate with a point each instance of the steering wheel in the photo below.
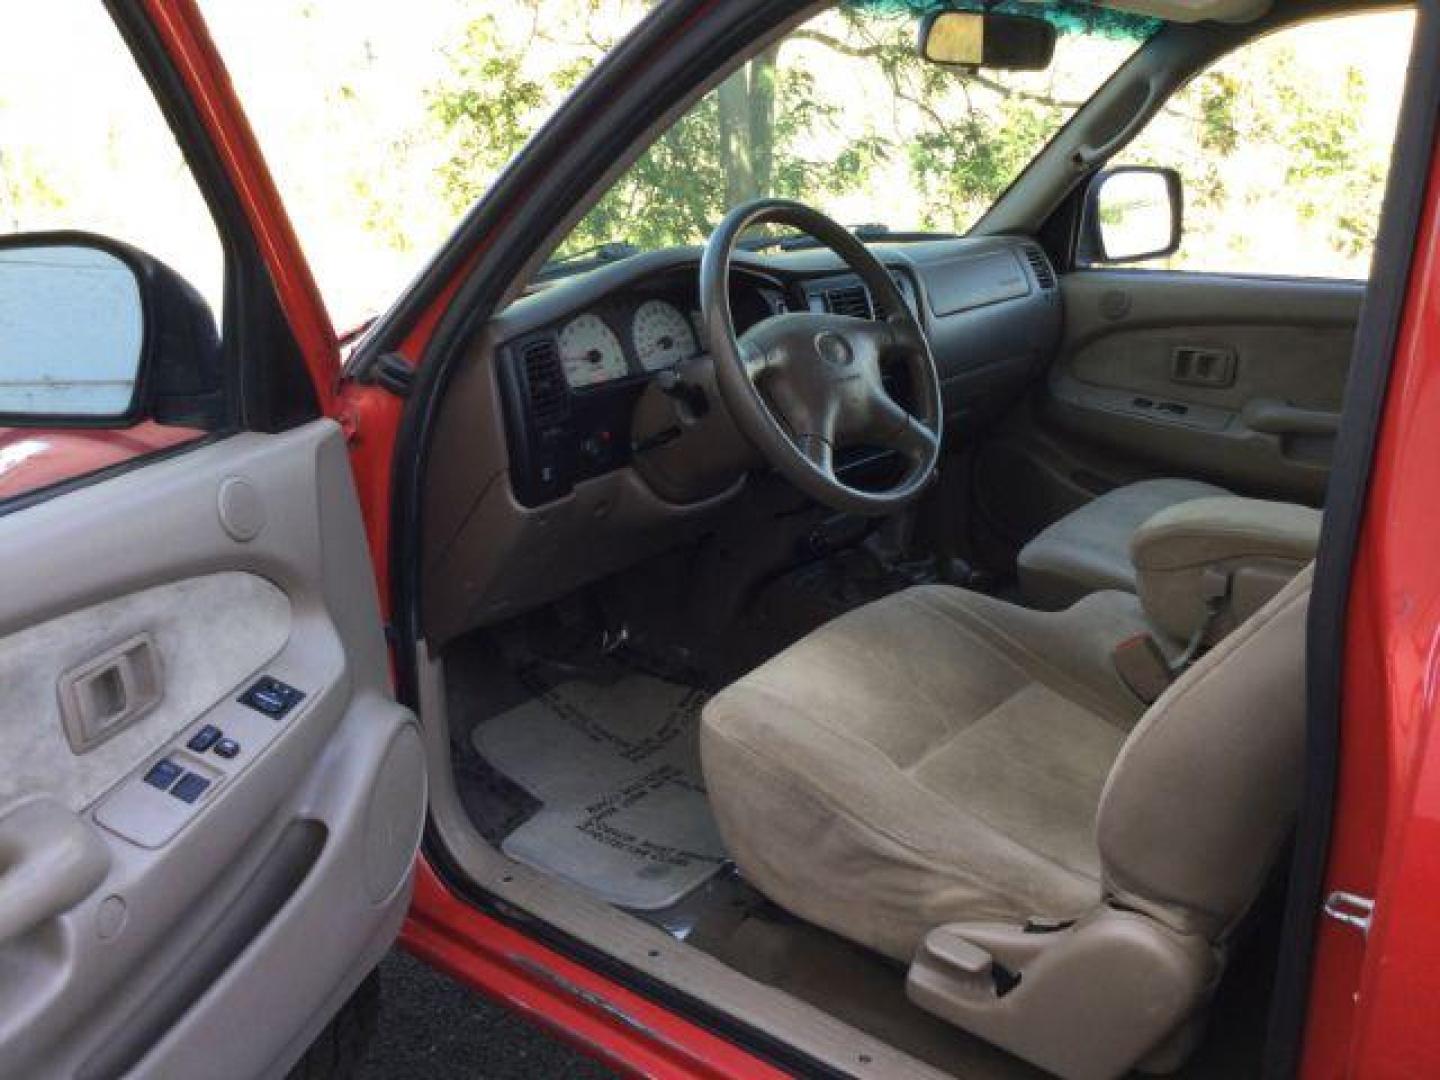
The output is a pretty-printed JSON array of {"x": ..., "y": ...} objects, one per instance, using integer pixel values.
[{"x": 802, "y": 385}]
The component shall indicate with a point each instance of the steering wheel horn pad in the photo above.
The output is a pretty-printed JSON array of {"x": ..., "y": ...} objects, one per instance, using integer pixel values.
[{"x": 802, "y": 385}]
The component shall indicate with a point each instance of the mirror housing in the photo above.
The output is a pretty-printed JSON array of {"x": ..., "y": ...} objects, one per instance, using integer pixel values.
[
  {"x": 973, "y": 39},
  {"x": 96, "y": 333},
  {"x": 1132, "y": 213}
]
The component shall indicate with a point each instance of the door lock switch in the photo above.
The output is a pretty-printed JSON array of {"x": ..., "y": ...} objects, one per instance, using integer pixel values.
[
  {"x": 227, "y": 748},
  {"x": 271, "y": 697}
]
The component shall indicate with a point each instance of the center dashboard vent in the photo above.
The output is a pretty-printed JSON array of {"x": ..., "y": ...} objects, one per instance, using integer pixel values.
[
  {"x": 853, "y": 300},
  {"x": 544, "y": 379},
  {"x": 1044, "y": 274}
]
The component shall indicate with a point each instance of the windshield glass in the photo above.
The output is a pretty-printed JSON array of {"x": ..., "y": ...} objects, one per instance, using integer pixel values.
[
  {"x": 383, "y": 122},
  {"x": 844, "y": 115}
]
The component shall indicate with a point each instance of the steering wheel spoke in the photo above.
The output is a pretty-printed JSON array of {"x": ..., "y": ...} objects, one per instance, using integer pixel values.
[
  {"x": 819, "y": 452},
  {"x": 913, "y": 439},
  {"x": 755, "y": 357}
]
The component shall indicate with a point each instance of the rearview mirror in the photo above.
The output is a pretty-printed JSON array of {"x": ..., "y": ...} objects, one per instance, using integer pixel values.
[
  {"x": 971, "y": 39},
  {"x": 1132, "y": 213},
  {"x": 94, "y": 333}
]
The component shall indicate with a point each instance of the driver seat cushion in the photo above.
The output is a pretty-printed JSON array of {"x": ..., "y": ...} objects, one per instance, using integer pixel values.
[
  {"x": 933, "y": 756},
  {"x": 1089, "y": 548}
]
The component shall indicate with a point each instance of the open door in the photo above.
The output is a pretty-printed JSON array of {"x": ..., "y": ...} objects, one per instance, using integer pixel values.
[{"x": 211, "y": 802}]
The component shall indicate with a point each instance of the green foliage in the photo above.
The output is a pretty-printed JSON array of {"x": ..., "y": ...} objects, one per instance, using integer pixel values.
[
  {"x": 25, "y": 191},
  {"x": 959, "y": 139},
  {"x": 486, "y": 109},
  {"x": 768, "y": 129},
  {"x": 1260, "y": 144}
]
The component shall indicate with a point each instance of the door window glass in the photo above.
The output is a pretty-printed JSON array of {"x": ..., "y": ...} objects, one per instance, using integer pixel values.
[
  {"x": 84, "y": 148},
  {"x": 1284, "y": 148}
]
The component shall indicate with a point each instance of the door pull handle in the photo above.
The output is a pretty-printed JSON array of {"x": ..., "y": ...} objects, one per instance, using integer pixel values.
[{"x": 103, "y": 696}]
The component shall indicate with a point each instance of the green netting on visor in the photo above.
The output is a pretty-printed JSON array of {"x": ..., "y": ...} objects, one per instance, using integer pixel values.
[{"x": 1065, "y": 16}]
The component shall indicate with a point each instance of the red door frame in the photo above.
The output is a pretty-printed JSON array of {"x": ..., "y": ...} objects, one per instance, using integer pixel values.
[
  {"x": 188, "y": 43},
  {"x": 1374, "y": 999},
  {"x": 1371, "y": 1006}
]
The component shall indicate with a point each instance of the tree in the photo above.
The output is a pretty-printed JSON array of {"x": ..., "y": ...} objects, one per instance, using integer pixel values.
[
  {"x": 942, "y": 146},
  {"x": 486, "y": 110},
  {"x": 1272, "y": 155}
]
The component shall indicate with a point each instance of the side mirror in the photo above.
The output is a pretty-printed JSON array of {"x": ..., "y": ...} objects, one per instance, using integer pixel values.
[
  {"x": 1132, "y": 213},
  {"x": 970, "y": 39},
  {"x": 94, "y": 333}
]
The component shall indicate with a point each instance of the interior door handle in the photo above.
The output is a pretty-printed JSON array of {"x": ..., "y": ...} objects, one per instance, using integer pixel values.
[
  {"x": 50, "y": 860},
  {"x": 1278, "y": 418},
  {"x": 103, "y": 696}
]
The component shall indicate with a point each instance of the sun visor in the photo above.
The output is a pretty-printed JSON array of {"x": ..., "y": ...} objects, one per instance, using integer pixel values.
[{"x": 1189, "y": 11}]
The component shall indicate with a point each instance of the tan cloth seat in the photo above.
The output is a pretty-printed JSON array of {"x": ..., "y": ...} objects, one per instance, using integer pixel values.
[
  {"x": 1089, "y": 549},
  {"x": 940, "y": 759},
  {"x": 936, "y": 755}
]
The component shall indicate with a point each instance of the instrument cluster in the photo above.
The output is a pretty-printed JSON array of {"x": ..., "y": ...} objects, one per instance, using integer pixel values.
[{"x": 638, "y": 336}]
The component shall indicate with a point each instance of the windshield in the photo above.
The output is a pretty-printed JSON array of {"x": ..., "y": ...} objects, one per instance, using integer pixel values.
[
  {"x": 844, "y": 115},
  {"x": 385, "y": 122}
]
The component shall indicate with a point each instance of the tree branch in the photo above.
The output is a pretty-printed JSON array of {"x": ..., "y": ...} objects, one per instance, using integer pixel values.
[{"x": 878, "y": 52}]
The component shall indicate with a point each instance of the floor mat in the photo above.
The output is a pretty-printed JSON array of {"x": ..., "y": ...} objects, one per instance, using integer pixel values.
[{"x": 617, "y": 769}]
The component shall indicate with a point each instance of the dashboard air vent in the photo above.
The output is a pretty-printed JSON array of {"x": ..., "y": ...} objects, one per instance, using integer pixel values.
[
  {"x": 853, "y": 300},
  {"x": 1041, "y": 265},
  {"x": 545, "y": 390}
]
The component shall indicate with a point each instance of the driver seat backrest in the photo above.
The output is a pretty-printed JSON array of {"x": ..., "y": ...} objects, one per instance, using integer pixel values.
[{"x": 1195, "y": 809}]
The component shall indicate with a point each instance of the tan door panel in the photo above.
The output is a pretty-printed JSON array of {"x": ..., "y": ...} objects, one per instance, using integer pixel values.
[
  {"x": 249, "y": 832},
  {"x": 201, "y": 658},
  {"x": 1234, "y": 379}
]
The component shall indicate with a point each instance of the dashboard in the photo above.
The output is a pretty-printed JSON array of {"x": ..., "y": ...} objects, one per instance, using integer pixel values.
[
  {"x": 543, "y": 474},
  {"x": 574, "y": 357}
]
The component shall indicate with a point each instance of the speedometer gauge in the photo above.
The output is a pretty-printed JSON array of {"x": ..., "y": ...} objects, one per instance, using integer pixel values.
[
  {"x": 662, "y": 335},
  {"x": 590, "y": 352}
]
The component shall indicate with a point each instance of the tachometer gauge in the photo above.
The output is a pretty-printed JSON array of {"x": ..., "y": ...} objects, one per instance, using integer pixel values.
[
  {"x": 662, "y": 335},
  {"x": 590, "y": 352}
]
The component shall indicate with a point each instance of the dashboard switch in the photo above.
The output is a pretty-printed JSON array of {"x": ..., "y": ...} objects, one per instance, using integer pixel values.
[{"x": 271, "y": 697}]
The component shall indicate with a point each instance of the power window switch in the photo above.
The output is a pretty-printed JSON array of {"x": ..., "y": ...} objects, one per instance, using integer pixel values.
[
  {"x": 205, "y": 738},
  {"x": 227, "y": 748},
  {"x": 191, "y": 787},
  {"x": 162, "y": 774}
]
